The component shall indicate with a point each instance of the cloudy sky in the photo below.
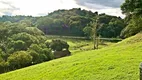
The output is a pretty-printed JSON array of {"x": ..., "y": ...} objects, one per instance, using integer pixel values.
[{"x": 43, "y": 7}]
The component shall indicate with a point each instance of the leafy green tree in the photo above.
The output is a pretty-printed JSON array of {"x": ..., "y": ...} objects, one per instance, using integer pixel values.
[
  {"x": 17, "y": 18},
  {"x": 47, "y": 43},
  {"x": 26, "y": 22},
  {"x": 4, "y": 34},
  {"x": 35, "y": 56},
  {"x": 65, "y": 22},
  {"x": 25, "y": 37},
  {"x": 88, "y": 32},
  {"x": 58, "y": 45},
  {"x": 133, "y": 27},
  {"x": 34, "y": 31},
  {"x": 19, "y": 45},
  {"x": 3, "y": 55},
  {"x": 132, "y": 7},
  {"x": 112, "y": 29},
  {"x": 44, "y": 53},
  {"x": 19, "y": 59},
  {"x": 36, "y": 48},
  {"x": 3, "y": 66},
  {"x": 47, "y": 53},
  {"x": 133, "y": 10}
]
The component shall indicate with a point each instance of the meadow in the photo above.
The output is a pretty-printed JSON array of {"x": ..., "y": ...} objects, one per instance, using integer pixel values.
[
  {"x": 79, "y": 44},
  {"x": 118, "y": 61}
]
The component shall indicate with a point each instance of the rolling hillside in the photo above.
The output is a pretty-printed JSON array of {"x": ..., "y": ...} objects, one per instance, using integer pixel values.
[{"x": 117, "y": 62}]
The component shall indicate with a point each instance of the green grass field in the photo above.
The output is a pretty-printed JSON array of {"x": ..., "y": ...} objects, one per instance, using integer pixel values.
[
  {"x": 116, "y": 62},
  {"x": 79, "y": 44}
]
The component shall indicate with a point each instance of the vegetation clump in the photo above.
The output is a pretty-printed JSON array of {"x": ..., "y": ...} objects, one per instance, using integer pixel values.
[
  {"x": 60, "y": 48},
  {"x": 20, "y": 46}
]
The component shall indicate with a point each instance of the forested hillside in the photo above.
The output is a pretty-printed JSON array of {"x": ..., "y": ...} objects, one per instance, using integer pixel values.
[
  {"x": 72, "y": 23},
  {"x": 28, "y": 40}
]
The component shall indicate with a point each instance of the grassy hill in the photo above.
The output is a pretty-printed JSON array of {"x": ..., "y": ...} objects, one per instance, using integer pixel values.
[{"x": 117, "y": 62}]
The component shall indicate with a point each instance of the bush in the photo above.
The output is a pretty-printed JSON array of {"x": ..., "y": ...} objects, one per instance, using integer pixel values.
[
  {"x": 47, "y": 44},
  {"x": 58, "y": 45},
  {"x": 43, "y": 57},
  {"x": 43, "y": 52},
  {"x": 19, "y": 45},
  {"x": 3, "y": 66},
  {"x": 27, "y": 38},
  {"x": 48, "y": 53},
  {"x": 35, "y": 56},
  {"x": 134, "y": 27},
  {"x": 3, "y": 56},
  {"x": 36, "y": 48},
  {"x": 19, "y": 59}
]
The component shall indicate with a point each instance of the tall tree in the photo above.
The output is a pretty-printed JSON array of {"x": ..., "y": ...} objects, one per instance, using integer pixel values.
[
  {"x": 95, "y": 27},
  {"x": 132, "y": 7},
  {"x": 133, "y": 10}
]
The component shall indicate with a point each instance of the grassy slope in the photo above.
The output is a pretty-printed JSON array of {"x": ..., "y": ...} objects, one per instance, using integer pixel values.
[{"x": 117, "y": 62}]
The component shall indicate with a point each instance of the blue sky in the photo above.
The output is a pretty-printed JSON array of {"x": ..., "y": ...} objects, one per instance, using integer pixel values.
[{"x": 43, "y": 7}]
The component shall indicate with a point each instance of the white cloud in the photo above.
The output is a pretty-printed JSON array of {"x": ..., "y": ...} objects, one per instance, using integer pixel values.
[
  {"x": 43, "y": 7},
  {"x": 112, "y": 11},
  {"x": 35, "y": 7}
]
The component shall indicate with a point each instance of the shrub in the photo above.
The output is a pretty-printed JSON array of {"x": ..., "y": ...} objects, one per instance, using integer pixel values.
[
  {"x": 47, "y": 43},
  {"x": 3, "y": 66},
  {"x": 48, "y": 53},
  {"x": 3, "y": 56},
  {"x": 19, "y": 59},
  {"x": 36, "y": 48},
  {"x": 43, "y": 52},
  {"x": 58, "y": 45},
  {"x": 35, "y": 56},
  {"x": 27, "y": 38},
  {"x": 19, "y": 45},
  {"x": 43, "y": 57}
]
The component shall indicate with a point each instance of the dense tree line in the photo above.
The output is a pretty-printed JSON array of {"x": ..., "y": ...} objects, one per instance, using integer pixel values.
[
  {"x": 71, "y": 22},
  {"x": 21, "y": 46},
  {"x": 65, "y": 22},
  {"x": 108, "y": 26},
  {"x": 18, "y": 18}
]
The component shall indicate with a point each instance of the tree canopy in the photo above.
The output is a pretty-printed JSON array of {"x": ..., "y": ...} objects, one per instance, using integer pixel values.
[
  {"x": 21, "y": 46},
  {"x": 67, "y": 22},
  {"x": 72, "y": 22},
  {"x": 132, "y": 9}
]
